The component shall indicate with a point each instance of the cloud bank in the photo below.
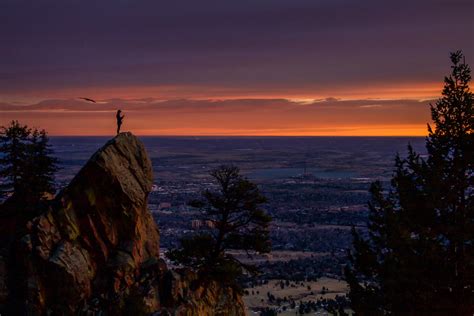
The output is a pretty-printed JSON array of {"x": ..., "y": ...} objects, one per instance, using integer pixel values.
[
  {"x": 226, "y": 117},
  {"x": 265, "y": 45}
]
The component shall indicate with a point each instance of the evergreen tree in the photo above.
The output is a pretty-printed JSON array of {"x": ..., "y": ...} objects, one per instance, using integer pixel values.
[
  {"x": 14, "y": 153},
  {"x": 43, "y": 165},
  {"x": 27, "y": 166},
  {"x": 418, "y": 257},
  {"x": 238, "y": 222}
]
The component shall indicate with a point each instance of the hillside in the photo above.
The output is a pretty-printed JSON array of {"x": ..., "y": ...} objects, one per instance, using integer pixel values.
[{"x": 94, "y": 249}]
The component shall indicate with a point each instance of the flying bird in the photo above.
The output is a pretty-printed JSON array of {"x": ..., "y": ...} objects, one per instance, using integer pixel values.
[{"x": 89, "y": 100}]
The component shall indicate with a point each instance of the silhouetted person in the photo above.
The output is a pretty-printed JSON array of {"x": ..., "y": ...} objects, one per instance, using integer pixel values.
[{"x": 119, "y": 120}]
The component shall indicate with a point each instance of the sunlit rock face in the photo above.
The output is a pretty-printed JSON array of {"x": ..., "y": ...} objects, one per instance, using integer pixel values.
[{"x": 96, "y": 250}]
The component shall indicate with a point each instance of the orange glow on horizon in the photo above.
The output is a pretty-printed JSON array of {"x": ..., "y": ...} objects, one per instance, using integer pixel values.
[
  {"x": 357, "y": 131},
  {"x": 416, "y": 90},
  {"x": 398, "y": 118},
  {"x": 345, "y": 131}
]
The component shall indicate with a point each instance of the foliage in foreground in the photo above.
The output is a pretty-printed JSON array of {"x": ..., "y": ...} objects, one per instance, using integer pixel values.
[
  {"x": 235, "y": 220},
  {"x": 27, "y": 166},
  {"x": 419, "y": 256}
]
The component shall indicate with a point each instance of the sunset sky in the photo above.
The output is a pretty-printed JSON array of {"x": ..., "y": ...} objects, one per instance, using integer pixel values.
[{"x": 222, "y": 67}]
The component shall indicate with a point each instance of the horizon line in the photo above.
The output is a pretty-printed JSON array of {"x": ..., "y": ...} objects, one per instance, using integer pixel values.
[{"x": 229, "y": 136}]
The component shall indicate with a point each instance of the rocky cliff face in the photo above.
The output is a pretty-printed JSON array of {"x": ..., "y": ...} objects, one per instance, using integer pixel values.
[{"x": 95, "y": 250}]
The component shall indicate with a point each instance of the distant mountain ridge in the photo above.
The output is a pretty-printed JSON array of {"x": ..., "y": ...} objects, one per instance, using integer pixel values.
[{"x": 95, "y": 249}]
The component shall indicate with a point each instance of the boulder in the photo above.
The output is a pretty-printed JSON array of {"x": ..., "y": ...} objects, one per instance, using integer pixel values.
[{"x": 95, "y": 249}]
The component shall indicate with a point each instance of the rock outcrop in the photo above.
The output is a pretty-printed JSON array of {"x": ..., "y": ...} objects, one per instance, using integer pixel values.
[{"x": 95, "y": 250}]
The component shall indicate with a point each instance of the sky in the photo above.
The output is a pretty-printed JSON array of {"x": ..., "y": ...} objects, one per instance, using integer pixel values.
[{"x": 221, "y": 67}]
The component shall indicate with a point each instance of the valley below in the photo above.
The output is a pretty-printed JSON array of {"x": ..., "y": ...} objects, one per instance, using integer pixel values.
[{"x": 316, "y": 187}]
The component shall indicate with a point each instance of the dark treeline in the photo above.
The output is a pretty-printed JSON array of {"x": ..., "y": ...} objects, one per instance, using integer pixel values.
[
  {"x": 419, "y": 257},
  {"x": 27, "y": 166}
]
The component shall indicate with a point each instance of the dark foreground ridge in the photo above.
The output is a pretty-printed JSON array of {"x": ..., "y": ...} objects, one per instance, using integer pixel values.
[{"x": 95, "y": 249}]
